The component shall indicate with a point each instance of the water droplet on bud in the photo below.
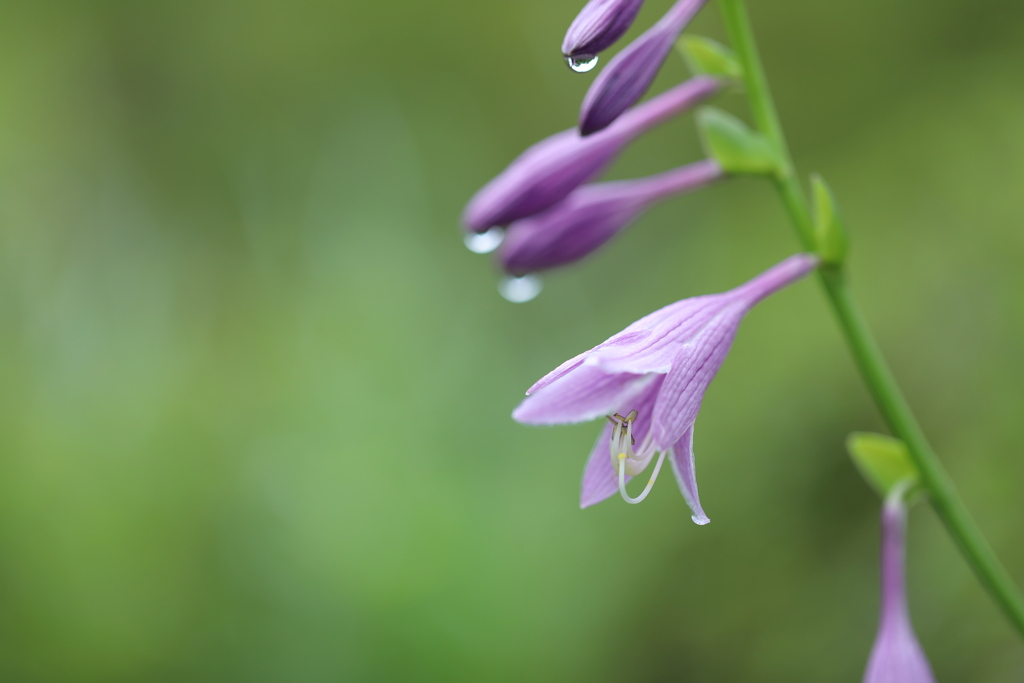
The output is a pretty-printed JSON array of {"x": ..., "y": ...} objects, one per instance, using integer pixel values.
[
  {"x": 581, "y": 64},
  {"x": 519, "y": 290},
  {"x": 485, "y": 242}
]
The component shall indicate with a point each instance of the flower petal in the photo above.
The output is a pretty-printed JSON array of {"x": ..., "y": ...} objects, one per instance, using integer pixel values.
[
  {"x": 667, "y": 330},
  {"x": 561, "y": 370},
  {"x": 694, "y": 367},
  {"x": 682, "y": 461},
  {"x": 600, "y": 480},
  {"x": 772, "y": 280},
  {"x": 582, "y": 394}
]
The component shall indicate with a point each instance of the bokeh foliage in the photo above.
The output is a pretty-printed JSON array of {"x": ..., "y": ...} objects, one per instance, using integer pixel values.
[{"x": 255, "y": 394}]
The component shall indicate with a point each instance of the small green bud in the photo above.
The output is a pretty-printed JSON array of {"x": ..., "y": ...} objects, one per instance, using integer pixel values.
[
  {"x": 828, "y": 224},
  {"x": 734, "y": 145},
  {"x": 883, "y": 461},
  {"x": 709, "y": 57}
]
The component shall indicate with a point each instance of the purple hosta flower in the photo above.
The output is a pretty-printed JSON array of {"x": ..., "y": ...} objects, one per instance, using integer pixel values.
[
  {"x": 630, "y": 73},
  {"x": 596, "y": 28},
  {"x": 545, "y": 173},
  {"x": 897, "y": 657},
  {"x": 592, "y": 215},
  {"x": 650, "y": 379}
]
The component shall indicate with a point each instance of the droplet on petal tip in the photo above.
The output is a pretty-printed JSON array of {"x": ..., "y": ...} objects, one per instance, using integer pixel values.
[
  {"x": 485, "y": 242},
  {"x": 581, "y": 64},
  {"x": 520, "y": 290}
]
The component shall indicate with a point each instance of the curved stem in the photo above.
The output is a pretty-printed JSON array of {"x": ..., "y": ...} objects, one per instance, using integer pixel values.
[{"x": 866, "y": 353}]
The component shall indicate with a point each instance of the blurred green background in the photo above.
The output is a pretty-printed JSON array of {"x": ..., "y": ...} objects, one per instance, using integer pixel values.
[{"x": 255, "y": 393}]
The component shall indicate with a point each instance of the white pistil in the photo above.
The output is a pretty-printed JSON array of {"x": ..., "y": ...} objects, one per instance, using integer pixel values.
[{"x": 650, "y": 484}]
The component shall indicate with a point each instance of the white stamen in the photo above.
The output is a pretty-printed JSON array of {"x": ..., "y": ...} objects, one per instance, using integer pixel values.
[
  {"x": 650, "y": 484},
  {"x": 621, "y": 443},
  {"x": 629, "y": 461},
  {"x": 613, "y": 444}
]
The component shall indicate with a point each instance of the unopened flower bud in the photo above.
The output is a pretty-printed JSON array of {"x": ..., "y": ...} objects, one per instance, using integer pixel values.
[
  {"x": 596, "y": 28},
  {"x": 897, "y": 656},
  {"x": 548, "y": 171},
  {"x": 591, "y": 216},
  {"x": 628, "y": 76}
]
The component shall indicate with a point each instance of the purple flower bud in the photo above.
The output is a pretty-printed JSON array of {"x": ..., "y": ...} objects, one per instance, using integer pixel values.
[
  {"x": 627, "y": 77},
  {"x": 650, "y": 380},
  {"x": 592, "y": 215},
  {"x": 597, "y": 27},
  {"x": 548, "y": 171},
  {"x": 897, "y": 656}
]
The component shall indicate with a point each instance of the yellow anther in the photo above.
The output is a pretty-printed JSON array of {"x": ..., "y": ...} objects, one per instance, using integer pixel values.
[{"x": 622, "y": 456}]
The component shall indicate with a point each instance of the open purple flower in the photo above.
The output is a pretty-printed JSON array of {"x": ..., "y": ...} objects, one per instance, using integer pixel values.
[
  {"x": 597, "y": 27},
  {"x": 592, "y": 215},
  {"x": 548, "y": 171},
  {"x": 650, "y": 380},
  {"x": 628, "y": 76},
  {"x": 897, "y": 656}
]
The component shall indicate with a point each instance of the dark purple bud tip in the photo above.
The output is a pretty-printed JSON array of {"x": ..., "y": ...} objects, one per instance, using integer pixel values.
[
  {"x": 596, "y": 28},
  {"x": 628, "y": 76}
]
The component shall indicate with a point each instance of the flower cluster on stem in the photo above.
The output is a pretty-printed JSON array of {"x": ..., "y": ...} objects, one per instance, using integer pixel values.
[{"x": 648, "y": 381}]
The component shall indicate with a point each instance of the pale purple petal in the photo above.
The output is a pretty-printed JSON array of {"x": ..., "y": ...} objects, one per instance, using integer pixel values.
[
  {"x": 584, "y": 394},
  {"x": 598, "y": 25},
  {"x": 591, "y": 216},
  {"x": 600, "y": 480},
  {"x": 775, "y": 278},
  {"x": 626, "y": 338},
  {"x": 897, "y": 656},
  {"x": 702, "y": 353},
  {"x": 628, "y": 76},
  {"x": 561, "y": 370},
  {"x": 686, "y": 476},
  {"x": 667, "y": 330},
  {"x": 695, "y": 365}
]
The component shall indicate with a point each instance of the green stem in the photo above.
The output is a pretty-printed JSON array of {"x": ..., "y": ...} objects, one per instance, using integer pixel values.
[{"x": 875, "y": 371}]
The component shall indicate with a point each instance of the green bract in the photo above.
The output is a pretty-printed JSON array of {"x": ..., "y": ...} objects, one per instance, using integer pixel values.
[
  {"x": 829, "y": 232},
  {"x": 734, "y": 145},
  {"x": 882, "y": 460},
  {"x": 709, "y": 57}
]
